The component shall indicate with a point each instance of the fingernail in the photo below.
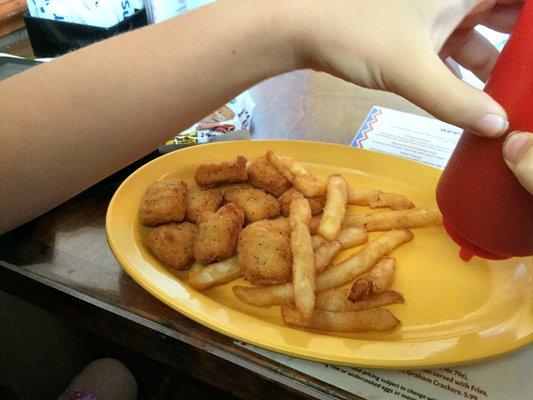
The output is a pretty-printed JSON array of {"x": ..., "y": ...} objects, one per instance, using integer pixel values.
[
  {"x": 512, "y": 146},
  {"x": 492, "y": 125}
]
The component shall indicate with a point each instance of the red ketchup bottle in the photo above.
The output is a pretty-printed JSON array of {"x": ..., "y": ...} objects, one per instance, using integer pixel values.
[{"x": 485, "y": 209}]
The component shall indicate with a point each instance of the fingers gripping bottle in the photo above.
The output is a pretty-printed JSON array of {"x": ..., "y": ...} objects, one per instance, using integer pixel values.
[{"x": 485, "y": 209}]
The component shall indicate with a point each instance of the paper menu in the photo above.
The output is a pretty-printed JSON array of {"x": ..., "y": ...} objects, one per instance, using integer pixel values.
[
  {"x": 505, "y": 378},
  {"x": 414, "y": 137}
]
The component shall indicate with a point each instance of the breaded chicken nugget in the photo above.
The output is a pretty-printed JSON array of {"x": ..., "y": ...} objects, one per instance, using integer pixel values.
[
  {"x": 316, "y": 203},
  {"x": 164, "y": 201},
  {"x": 264, "y": 254},
  {"x": 200, "y": 200},
  {"x": 255, "y": 203},
  {"x": 281, "y": 224},
  {"x": 173, "y": 244},
  {"x": 211, "y": 175},
  {"x": 264, "y": 175},
  {"x": 225, "y": 188},
  {"x": 218, "y": 233}
]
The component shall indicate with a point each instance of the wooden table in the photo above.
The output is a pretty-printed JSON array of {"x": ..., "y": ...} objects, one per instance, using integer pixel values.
[{"x": 61, "y": 261}]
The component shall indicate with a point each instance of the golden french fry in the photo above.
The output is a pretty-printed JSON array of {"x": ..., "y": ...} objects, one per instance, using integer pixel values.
[
  {"x": 263, "y": 296},
  {"x": 376, "y": 198},
  {"x": 334, "y": 209},
  {"x": 204, "y": 277},
  {"x": 363, "y": 260},
  {"x": 313, "y": 223},
  {"x": 295, "y": 168},
  {"x": 325, "y": 253},
  {"x": 348, "y": 237},
  {"x": 300, "y": 212},
  {"x": 303, "y": 260},
  {"x": 346, "y": 271},
  {"x": 378, "y": 279},
  {"x": 296, "y": 173},
  {"x": 386, "y": 220},
  {"x": 281, "y": 164},
  {"x": 337, "y": 300},
  {"x": 316, "y": 203},
  {"x": 317, "y": 241},
  {"x": 309, "y": 185},
  {"x": 351, "y": 237},
  {"x": 378, "y": 319}
]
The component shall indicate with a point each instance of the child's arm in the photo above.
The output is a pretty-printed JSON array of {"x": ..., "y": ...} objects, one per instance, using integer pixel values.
[{"x": 68, "y": 124}]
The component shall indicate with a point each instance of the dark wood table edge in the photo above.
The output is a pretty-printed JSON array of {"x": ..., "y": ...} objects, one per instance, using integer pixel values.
[{"x": 48, "y": 295}]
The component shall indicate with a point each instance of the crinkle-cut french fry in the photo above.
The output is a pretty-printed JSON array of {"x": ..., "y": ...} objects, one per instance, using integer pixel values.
[
  {"x": 309, "y": 185},
  {"x": 376, "y": 198},
  {"x": 391, "y": 219},
  {"x": 317, "y": 241},
  {"x": 303, "y": 259},
  {"x": 351, "y": 237},
  {"x": 348, "y": 237},
  {"x": 363, "y": 260},
  {"x": 326, "y": 251},
  {"x": 300, "y": 212},
  {"x": 263, "y": 296},
  {"x": 281, "y": 164},
  {"x": 378, "y": 279},
  {"x": 313, "y": 223},
  {"x": 316, "y": 203},
  {"x": 360, "y": 197},
  {"x": 325, "y": 254},
  {"x": 346, "y": 271},
  {"x": 204, "y": 277},
  {"x": 377, "y": 319},
  {"x": 334, "y": 209},
  {"x": 296, "y": 173},
  {"x": 337, "y": 300}
]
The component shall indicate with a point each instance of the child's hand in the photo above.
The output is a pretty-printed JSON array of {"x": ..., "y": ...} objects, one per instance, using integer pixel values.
[
  {"x": 471, "y": 49},
  {"x": 518, "y": 155},
  {"x": 396, "y": 46}
]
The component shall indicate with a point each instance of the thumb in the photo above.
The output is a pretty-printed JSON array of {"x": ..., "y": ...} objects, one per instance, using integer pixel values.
[
  {"x": 425, "y": 80},
  {"x": 518, "y": 155}
]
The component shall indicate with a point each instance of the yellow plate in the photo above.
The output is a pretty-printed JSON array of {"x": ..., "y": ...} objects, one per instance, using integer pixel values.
[{"x": 454, "y": 311}]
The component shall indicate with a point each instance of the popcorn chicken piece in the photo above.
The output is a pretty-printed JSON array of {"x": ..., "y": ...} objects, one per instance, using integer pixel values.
[
  {"x": 218, "y": 233},
  {"x": 264, "y": 175},
  {"x": 264, "y": 253},
  {"x": 200, "y": 200},
  {"x": 164, "y": 201},
  {"x": 173, "y": 244},
  {"x": 215, "y": 174},
  {"x": 255, "y": 203}
]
